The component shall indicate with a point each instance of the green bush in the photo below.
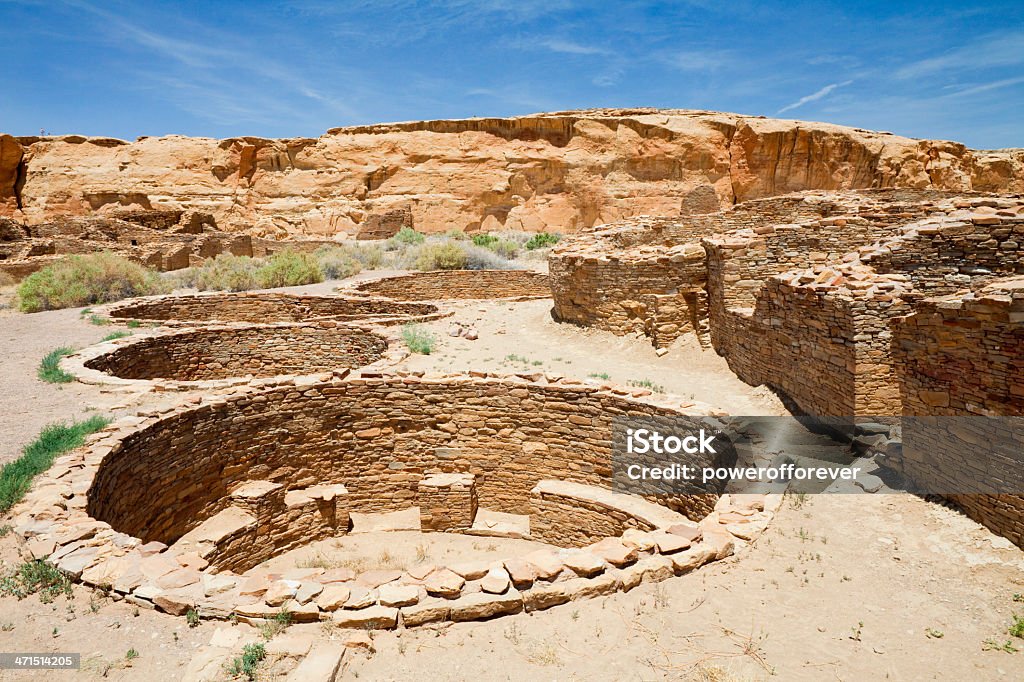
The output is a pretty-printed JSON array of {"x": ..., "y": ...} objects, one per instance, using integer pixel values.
[
  {"x": 406, "y": 237},
  {"x": 418, "y": 340},
  {"x": 541, "y": 239},
  {"x": 252, "y": 655},
  {"x": 36, "y": 576},
  {"x": 337, "y": 262},
  {"x": 442, "y": 256},
  {"x": 289, "y": 269},
  {"x": 485, "y": 240},
  {"x": 37, "y": 456},
  {"x": 86, "y": 279},
  {"x": 225, "y": 272},
  {"x": 506, "y": 249},
  {"x": 49, "y": 368}
]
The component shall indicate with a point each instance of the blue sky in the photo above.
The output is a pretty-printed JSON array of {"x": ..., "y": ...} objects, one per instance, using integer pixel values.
[{"x": 949, "y": 70}]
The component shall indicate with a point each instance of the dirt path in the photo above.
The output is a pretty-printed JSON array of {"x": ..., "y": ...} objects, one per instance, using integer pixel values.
[{"x": 838, "y": 588}]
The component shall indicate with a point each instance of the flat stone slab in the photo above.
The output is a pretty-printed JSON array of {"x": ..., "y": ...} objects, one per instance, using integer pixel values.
[
  {"x": 322, "y": 664},
  {"x": 500, "y": 525},
  {"x": 648, "y": 512},
  {"x": 404, "y": 519},
  {"x": 223, "y": 524},
  {"x": 254, "y": 489}
]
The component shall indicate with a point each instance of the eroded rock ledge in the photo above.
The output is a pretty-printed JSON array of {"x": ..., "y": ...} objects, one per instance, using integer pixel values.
[{"x": 557, "y": 171}]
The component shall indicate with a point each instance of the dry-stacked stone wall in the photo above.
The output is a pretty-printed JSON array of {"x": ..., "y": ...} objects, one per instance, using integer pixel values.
[
  {"x": 223, "y": 352},
  {"x": 261, "y": 307},
  {"x": 651, "y": 275},
  {"x": 821, "y": 334},
  {"x": 963, "y": 356},
  {"x": 377, "y": 437},
  {"x": 168, "y": 508},
  {"x": 459, "y": 284}
]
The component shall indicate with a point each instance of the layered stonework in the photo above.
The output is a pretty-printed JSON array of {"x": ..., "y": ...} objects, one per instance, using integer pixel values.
[
  {"x": 962, "y": 357},
  {"x": 163, "y": 240},
  {"x": 170, "y": 509},
  {"x": 458, "y": 284},
  {"x": 262, "y": 307},
  {"x": 666, "y": 277},
  {"x": 217, "y": 355},
  {"x": 821, "y": 334}
]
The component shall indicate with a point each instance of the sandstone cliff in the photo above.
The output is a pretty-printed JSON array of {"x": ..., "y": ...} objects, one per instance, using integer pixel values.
[{"x": 556, "y": 171}]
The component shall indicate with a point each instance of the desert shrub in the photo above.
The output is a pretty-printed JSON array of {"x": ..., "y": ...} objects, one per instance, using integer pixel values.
[
  {"x": 116, "y": 335},
  {"x": 541, "y": 240},
  {"x": 225, "y": 272},
  {"x": 289, "y": 269},
  {"x": 252, "y": 655},
  {"x": 405, "y": 237},
  {"x": 479, "y": 258},
  {"x": 418, "y": 340},
  {"x": 506, "y": 249},
  {"x": 49, "y": 368},
  {"x": 484, "y": 240},
  {"x": 337, "y": 262},
  {"x": 457, "y": 235},
  {"x": 370, "y": 256},
  {"x": 442, "y": 256},
  {"x": 36, "y": 576},
  {"x": 86, "y": 279},
  {"x": 37, "y": 456}
]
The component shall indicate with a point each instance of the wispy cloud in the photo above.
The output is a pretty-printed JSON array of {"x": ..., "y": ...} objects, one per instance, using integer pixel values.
[
  {"x": 697, "y": 60},
  {"x": 813, "y": 97},
  {"x": 570, "y": 47},
  {"x": 983, "y": 53},
  {"x": 208, "y": 86},
  {"x": 985, "y": 87}
]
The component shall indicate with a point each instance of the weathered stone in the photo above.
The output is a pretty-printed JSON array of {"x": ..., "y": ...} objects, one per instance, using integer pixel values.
[
  {"x": 444, "y": 583},
  {"x": 333, "y": 597},
  {"x": 393, "y": 594},
  {"x": 379, "y": 617},
  {"x": 480, "y": 606},
  {"x": 322, "y": 664}
]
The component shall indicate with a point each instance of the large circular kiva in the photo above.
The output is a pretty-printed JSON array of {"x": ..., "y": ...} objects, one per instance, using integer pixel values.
[
  {"x": 220, "y": 352},
  {"x": 184, "y": 509},
  {"x": 262, "y": 307}
]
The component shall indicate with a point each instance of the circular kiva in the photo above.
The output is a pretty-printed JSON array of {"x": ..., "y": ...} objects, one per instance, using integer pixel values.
[
  {"x": 177, "y": 510},
  {"x": 215, "y": 355},
  {"x": 262, "y": 307},
  {"x": 459, "y": 284}
]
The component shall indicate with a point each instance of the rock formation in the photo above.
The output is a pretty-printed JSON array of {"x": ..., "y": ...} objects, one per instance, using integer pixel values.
[{"x": 556, "y": 172}]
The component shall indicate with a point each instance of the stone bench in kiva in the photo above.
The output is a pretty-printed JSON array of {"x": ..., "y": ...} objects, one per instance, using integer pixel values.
[
  {"x": 263, "y": 519},
  {"x": 448, "y": 502},
  {"x": 571, "y": 514}
]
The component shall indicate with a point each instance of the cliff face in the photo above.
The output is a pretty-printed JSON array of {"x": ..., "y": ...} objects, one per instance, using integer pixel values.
[{"x": 555, "y": 172}]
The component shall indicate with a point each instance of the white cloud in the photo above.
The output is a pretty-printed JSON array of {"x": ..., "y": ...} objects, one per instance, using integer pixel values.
[
  {"x": 814, "y": 96},
  {"x": 569, "y": 47},
  {"x": 985, "y": 87},
  {"x": 985, "y": 53}
]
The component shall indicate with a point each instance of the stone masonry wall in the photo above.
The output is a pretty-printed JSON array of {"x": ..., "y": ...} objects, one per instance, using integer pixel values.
[
  {"x": 263, "y": 351},
  {"x": 460, "y": 284},
  {"x": 378, "y": 437},
  {"x": 651, "y": 275},
  {"x": 258, "y": 308},
  {"x": 821, "y": 334},
  {"x": 957, "y": 356}
]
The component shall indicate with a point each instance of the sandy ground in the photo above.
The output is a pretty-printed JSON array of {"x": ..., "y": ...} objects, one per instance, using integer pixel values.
[{"x": 840, "y": 587}]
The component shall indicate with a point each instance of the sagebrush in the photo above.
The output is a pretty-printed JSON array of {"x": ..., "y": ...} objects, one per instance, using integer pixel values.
[{"x": 86, "y": 279}]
